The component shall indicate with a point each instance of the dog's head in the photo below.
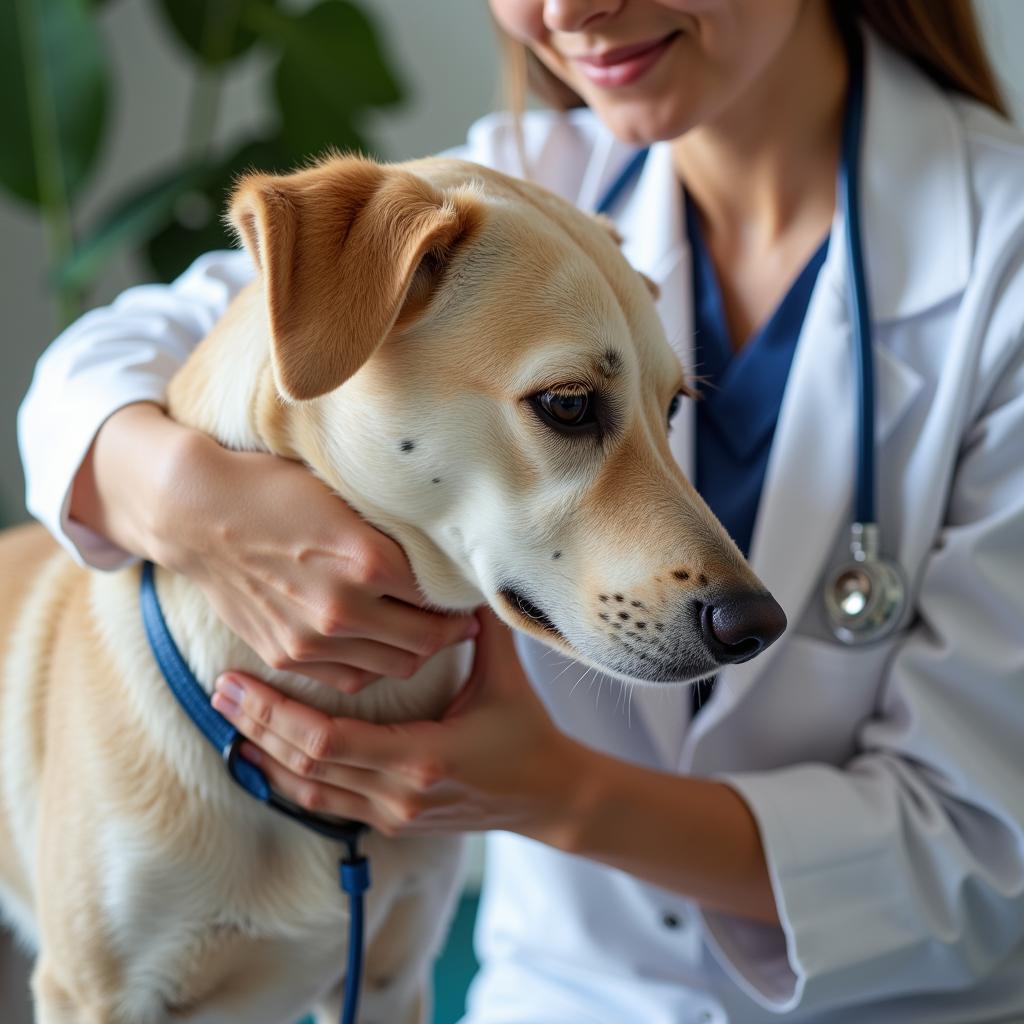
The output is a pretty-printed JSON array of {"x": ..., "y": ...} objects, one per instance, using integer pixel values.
[{"x": 472, "y": 363}]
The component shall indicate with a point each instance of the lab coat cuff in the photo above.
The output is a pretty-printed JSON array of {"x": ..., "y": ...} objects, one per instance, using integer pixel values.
[
  {"x": 825, "y": 868},
  {"x": 48, "y": 495}
]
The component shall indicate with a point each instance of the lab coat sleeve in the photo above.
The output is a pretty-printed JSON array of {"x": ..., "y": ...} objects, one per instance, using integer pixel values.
[
  {"x": 903, "y": 870},
  {"x": 113, "y": 356}
]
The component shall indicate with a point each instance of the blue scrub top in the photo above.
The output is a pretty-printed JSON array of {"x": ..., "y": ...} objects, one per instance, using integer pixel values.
[{"x": 741, "y": 394}]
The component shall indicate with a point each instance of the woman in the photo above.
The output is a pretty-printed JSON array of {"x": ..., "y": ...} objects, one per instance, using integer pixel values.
[{"x": 838, "y": 835}]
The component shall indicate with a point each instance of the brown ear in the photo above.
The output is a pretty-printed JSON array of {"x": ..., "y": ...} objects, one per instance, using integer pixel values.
[{"x": 339, "y": 246}]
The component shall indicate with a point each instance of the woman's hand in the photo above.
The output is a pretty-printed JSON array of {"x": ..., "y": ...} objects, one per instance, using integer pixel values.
[
  {"x": 495, "y": 760},
  {"x": 284, "y": 562}
]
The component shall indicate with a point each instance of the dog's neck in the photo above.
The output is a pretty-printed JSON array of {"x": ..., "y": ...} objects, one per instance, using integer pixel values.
[{"x": 227, "y": 390}]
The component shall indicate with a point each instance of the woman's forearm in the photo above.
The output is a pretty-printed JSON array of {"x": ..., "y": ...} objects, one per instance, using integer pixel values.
[
  {"x": 123, "y": 487},
  {"x": 693, "y": 836}
]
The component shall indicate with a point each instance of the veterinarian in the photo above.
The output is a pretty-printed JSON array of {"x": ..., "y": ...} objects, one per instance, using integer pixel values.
[{"x": 833, "y": 832}]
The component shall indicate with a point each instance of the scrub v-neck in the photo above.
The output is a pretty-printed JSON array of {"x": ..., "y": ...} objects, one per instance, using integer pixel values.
[{"x": 741, "y": 394}]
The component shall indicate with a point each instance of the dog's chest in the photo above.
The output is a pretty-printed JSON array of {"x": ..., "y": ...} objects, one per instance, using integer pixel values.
[
  {"x": 245, "y": 894},
  {"x": 194, "y": 897}
]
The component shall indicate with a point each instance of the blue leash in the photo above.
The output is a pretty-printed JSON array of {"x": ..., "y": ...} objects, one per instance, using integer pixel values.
[{"x": 353, "y": 869}]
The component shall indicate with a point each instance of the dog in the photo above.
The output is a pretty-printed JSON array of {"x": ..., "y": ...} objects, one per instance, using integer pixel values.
[{"x": 471, "y": 364}]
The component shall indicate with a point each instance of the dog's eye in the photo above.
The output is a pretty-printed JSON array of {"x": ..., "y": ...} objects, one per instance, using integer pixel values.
[
  {"x": 673, "y": 407},
  {"x": 566, "y": 410}
]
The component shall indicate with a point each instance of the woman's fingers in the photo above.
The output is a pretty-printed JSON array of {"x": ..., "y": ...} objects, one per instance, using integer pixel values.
[
  {"x": 274, "y": 752},
  {"x": 412, "y": 630},
  {"x": 312, "y": 794},
  {"x": 258, "y": 710},
  {"x": 342, "y": 678}
]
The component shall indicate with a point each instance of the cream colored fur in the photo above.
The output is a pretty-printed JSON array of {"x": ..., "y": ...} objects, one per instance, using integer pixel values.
[{"x": 425, "y": 304}]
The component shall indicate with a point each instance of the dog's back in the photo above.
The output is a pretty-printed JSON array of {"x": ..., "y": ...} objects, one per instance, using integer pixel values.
[{"x": 25, "y": 552}]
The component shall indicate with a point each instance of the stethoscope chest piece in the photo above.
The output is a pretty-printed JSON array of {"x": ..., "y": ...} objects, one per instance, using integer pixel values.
[{"x": 865, "y": 597}]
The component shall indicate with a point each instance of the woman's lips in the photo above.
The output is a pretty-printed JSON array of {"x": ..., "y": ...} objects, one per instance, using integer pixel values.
[{"x": 624, "y": 65}]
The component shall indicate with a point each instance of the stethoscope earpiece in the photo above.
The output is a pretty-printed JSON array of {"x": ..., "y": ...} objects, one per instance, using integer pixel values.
[{"x": 865, "y": 597}]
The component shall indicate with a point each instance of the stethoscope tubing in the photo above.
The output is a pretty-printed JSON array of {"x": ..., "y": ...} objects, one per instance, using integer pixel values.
[{"x": 860, "y": 306}]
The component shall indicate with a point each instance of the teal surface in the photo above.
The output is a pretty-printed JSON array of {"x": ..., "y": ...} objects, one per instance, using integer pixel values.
[
  {"x": 457, "y": 965},
  {"x": 455, "y": 968}
]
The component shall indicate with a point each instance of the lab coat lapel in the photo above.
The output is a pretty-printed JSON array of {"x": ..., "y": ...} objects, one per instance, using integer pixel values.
[
  {"x": 809, "y": 481},
  {"x": 807, "y": 499},
  {"x": 667, "y": 716},
  {"x": 652, "y": 223}
]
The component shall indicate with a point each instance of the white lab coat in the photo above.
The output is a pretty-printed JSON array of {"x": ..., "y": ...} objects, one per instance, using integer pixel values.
[{"x": 888, "y": 781}]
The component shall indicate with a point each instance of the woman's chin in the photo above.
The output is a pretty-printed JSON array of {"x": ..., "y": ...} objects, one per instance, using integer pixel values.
[{"x": 641, "y": 122}]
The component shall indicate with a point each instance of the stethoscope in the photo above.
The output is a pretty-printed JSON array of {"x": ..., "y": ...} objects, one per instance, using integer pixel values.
[{"x": 866, "y": 596}]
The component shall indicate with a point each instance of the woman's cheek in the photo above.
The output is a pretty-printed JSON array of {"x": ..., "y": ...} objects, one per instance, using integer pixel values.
[{"x": 521, "y": 19}]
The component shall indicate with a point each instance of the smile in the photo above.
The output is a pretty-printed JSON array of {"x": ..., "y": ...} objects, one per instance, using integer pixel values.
[{"x": 624, "y": 65}]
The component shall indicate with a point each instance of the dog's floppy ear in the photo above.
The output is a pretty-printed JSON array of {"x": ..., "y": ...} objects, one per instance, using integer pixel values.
[{"x": 347, "y": 250}]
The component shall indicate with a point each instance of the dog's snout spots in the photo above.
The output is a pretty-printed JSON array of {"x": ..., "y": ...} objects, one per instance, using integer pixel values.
[
  {"x": 619, "y": 597},
  {"x": 604, "y": 616},
  {"x": 681, "y": 574},
  {"x": 641, "y": 625},
  {"x": 407, "y": 446},
  {"x": 436, "y": 480},
  {"x": 702, "y": 580},
  {"x": 624, "y": 616},
  {"x": 604, "y": 597},
  {"x": 557, "y": 555}
]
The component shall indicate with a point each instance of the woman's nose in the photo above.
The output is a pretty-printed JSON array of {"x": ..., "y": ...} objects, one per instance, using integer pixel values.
[{"x": 575, "y": 15}]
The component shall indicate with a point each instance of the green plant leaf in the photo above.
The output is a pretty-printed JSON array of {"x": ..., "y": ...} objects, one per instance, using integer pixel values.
[
  {"x": 198, "y": 225},
  {"x": 215, "y": 31},
  {"x": 335, "y": 50},
  {"x": 143, "y": 214},
  {"x": 53, "y": 79},
  {"x": 311, "y": 123}
]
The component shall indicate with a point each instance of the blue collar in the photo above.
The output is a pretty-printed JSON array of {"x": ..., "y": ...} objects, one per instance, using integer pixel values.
[
  {"x": 219, "y": 732},
  {"x": 353, "y": 870}
]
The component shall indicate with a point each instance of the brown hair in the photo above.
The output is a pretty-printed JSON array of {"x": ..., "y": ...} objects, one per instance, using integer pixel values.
[{"x": 941, "y": 37}]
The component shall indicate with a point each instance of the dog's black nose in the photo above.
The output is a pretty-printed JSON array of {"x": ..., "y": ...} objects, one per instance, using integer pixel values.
[{"x": 740, "y": 626}]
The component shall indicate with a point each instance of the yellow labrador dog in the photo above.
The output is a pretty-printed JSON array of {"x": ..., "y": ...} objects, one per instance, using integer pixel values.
[{"x": 471, "y": 364}]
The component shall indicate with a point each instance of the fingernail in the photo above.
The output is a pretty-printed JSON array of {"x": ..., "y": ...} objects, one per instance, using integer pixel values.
[
  {"x": 225, "y": 705},
  {"x": 231, "y": 688}
]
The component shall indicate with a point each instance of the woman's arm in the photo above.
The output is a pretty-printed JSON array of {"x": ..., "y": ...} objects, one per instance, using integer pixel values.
[
  {"x": 284, "y": 562},
  {"x": 496, "y": 761},
  {"x": 112, "y": 357}
]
